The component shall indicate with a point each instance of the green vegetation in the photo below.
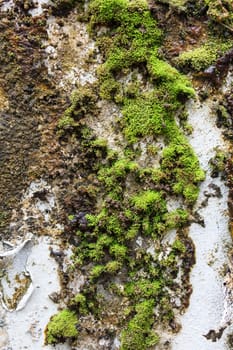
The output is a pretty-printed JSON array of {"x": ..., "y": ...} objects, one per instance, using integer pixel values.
[
  {"x": 148, "y": 201},
  {"x": 61, "y": 327},
  {"x": 178, "y": 246},
  {"x": 136, "y": 37},
  {"x": 221, "y": 11},
  {"x": 143, "y": 116},
  {"x": 138, "y": 334},
  {"x": 182, "y": 167},
  {"x": 202, "y": 57},
  {"x": 130, "y": 205},
  {"x": 176, "y": 218},
  {"x": 179, "y": 4},
  {"x": 218, "y": 162}
]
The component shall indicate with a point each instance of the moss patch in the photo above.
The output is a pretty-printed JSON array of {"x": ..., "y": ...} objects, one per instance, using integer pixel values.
[
  {"x": 62, "y": 327},
  {"x": 119, "y": 236},
  {"x": 202, "y": 57},
  {"x": 138, "y": 334}
]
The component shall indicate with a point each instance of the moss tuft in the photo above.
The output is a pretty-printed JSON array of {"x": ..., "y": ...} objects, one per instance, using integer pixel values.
[
  {"x": 62, "y": 327},
  {"x": 202, "y": 57},
  {"x": 138, "y": 335},
  {"x": 149, "y": 200}
]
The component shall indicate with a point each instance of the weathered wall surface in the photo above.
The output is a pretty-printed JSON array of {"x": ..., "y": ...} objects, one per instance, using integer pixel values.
[{"x": 113, "y": 174}]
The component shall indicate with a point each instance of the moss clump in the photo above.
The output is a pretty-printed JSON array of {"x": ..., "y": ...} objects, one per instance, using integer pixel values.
[
  {"x": 144, "y": 289},
  {"x": 218, "y": 162},
  {"x": 202, "y": 57},
  {"x": 149, "y": 200},
  {"x": 138, "y": 334},
  {"x": 66, "y": 122},
  {"x": 96, "y": 271},
  {"x": 113, "y": 176},
  {"x": 118, "y": 251},
  {"x": 134, "y": 36},
  {"x": 220, "y": 11},
  {"x": 163, "y": 72},
  {"x": 179, "y": 246},
  {"x": 182, "y": 166},
  {"x": 143, "y": 116},
  {"x": 148, "y": 113},
  {"x": 176, "y": 218},
  {"x": 106, "y": 11},
  {"x": 113, "y": 266},
  {"x": 130, "y": 210},
  {"x": 82, "y": 101},
  {"x": 61, "y": 327}
]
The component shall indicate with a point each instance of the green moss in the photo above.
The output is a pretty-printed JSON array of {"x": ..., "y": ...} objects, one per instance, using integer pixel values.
[
  {"x": 220, "y": 11},
  {"x": 182, "y": 166},
  {"x": 147, "y": 201},
  {"x": 132, "y": 231},
  {"x": 95, "y": 252},
  {"x": 177, "y": 84},
  {"x": 80, "y": 299},
  {"x": 176, "y": 218},
  {"x": 109, "y": 87},
  {"x": 104, "y": 241},
  {"x": 131, "y": 202},
  {"x": 66, "y": 122},
  {"x": 143, "y": 116},
  {"x": 218, "y": 162},
  {"x": 99, "y": 143},
  {"x": 161, "y": 70},
  {"x": 143, "y": 289},
  {"x": 119, "y": 251},
  {"x": 105, "y": 11},
  {"x": 96, "y": 271},
  {"x": 178, "y": 246},
  {"x": 113, "y": 266},
  {"x": 114, "y": 175},
  {"x": 80, "y": 303},
  {"x": 135, "y": 35},
  {"x": 62, "y": 327},
  {"x": 139, "y": 334},
  {"x": 202, "y": 57},
  {"x": 190, "y": 193},
  {"x": 82, "y": 102}
]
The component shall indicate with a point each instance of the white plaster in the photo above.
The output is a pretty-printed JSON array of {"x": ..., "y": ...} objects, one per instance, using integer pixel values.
[
  {"x": 206, "y": 307},
  {"x": 25, "y": 328}
]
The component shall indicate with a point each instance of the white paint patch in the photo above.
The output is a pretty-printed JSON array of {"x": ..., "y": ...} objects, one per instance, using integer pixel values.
[
  {"x": 68, "y": 48},
  {"x": 39, "y": 206},
  {"x": 116, "y": 344},
  {"x": 39, "y": 7},
  {"x": 206, "y": 308},
  {"x": 150, "y": 151},
  {"x": 104, "y": 126},
  {"x": 22, "y": 325},
  {"x": 15, "y": 277},
  {"x": 6, "y": 5},
  {"x": 24, "y": 329}
]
